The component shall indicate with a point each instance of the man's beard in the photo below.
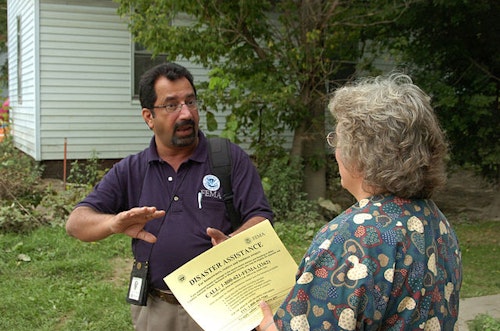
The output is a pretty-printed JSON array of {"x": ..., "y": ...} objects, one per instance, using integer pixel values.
[{"x": 184, "y": 140}]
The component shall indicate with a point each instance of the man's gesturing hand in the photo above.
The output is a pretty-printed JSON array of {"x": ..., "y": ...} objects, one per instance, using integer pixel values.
[{"x": 132, "y": 222}]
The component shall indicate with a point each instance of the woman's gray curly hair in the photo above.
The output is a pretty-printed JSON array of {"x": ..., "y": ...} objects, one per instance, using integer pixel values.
[{"x": 387, "y": 131}]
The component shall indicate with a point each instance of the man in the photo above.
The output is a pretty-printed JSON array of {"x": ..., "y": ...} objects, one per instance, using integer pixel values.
[{"x": 166, "y": 197}]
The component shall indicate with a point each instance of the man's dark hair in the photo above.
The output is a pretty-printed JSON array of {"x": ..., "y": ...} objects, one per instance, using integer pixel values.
[{"x": 169, "y": 70}]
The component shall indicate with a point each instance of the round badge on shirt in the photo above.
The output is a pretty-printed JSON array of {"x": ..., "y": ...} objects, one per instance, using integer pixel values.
[{"x": 211, "y": 182}]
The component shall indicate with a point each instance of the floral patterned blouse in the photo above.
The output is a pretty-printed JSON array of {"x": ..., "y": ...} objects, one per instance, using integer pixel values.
[{"x": 384, "y": 264}]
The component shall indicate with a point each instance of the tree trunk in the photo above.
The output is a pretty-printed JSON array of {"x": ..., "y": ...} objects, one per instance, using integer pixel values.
[
  {"x": 315, "y": 171},
  {"x": 298, "y": 142},
  {"x": 309, "y": 144}
]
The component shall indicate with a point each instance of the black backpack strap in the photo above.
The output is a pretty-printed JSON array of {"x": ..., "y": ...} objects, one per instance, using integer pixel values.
[{"x": 219, "y": 154}]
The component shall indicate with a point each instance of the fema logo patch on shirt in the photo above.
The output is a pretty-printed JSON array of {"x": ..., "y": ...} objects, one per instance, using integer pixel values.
[{"x": 211, "y": 182}]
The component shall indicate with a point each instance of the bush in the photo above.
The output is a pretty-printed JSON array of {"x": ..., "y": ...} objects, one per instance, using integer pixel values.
[
  {"x": 25, "y": 203},
  {"x": 19, "y": 173},
  {"x": 282, "y": 181},
  {"x": 56, "y": 205},
  {"x": 19, "y": 193},
  {"x": 87, "y": 172}
]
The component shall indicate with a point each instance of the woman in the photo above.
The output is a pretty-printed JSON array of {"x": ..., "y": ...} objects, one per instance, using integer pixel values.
[{"x": 391, "y": 261}]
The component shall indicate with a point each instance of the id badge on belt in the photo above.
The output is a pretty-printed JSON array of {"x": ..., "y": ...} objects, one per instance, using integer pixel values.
[{"x": 138, "y": 287}]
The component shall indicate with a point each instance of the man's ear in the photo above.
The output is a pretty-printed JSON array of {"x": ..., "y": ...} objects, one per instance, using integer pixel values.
[{"x": 148, "y": 117}]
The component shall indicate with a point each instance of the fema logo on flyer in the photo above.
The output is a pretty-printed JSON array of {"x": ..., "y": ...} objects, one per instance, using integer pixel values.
[{"x": 211, "y": 182}]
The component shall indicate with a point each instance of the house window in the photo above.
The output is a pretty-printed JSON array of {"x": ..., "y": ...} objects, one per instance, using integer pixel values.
[
  {"x": 19, "y": 62},
  {"x": 143, "y": 60}
]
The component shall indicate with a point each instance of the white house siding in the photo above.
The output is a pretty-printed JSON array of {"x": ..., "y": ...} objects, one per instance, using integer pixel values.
[
  {"x": 24, "y": 115},
  {"x": 77, "y": 81},
  {"x": 85, "y": 92}
]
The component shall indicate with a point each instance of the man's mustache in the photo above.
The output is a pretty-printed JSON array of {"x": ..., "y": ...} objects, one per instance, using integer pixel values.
[{"x": 184, "y": 123}]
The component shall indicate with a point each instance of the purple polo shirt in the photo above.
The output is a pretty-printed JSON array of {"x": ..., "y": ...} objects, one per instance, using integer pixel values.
[{"x": 191, "y": 198}]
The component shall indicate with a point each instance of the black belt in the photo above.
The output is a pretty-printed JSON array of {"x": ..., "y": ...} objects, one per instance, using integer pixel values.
[{"x": 164, "y": 295}]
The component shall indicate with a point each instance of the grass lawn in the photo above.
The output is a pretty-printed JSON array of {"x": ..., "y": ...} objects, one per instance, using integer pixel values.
[
  {"x": 50, "y": 281},
  {"x": 480, "y": 244}
]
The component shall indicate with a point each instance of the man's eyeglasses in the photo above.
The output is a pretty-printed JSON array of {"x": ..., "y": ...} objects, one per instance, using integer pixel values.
[{"x": 177, "y": 106}]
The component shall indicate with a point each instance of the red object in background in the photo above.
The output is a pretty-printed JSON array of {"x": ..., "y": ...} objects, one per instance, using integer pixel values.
[
  {"x": 5, "y": 106},
  {"x": 4, "y": 118}
]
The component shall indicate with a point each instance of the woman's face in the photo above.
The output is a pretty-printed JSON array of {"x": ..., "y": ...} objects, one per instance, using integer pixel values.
[
  {"x": 352, "y": 181},
  {"x": 345, "y": 175}
]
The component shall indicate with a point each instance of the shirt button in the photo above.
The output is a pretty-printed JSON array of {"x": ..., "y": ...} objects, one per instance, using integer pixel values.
[
  {"x": 176, "y": 198},
  {"x": 170, "y": 179}
]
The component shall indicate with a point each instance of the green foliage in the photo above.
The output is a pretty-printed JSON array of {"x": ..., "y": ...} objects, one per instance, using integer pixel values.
[
  {"x": 19, "y": 173},
  {"x": 88, "y": 173},
  {"x": 19, "y": 190},
  {"x": 56, "y": 205},
  {"x": 272, "y": 63},
  {"x": 297, "y": 234},
  {"x": 484, "y": 322},
  {"x": 282, "y": 181},
  {"x": 25, "y": 202},
  {"x": 456, "y": 59},
  {"x": 17, "y": 218},
  {"x": 231, "y": 128}
]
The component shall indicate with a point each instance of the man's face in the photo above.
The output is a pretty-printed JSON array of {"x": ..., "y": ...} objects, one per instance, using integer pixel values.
[{"x": 176, "y": 129}]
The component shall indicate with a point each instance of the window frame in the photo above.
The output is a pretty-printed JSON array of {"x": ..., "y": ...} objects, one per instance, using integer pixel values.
[{"x": 142, "y": 61}]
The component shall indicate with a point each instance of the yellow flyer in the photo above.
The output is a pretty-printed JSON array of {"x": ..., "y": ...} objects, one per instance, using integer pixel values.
[{"x": 221, "y": 288}]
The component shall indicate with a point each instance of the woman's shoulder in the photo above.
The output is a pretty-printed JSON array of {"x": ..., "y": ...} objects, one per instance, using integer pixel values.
[{"x": 375, "y": 221}]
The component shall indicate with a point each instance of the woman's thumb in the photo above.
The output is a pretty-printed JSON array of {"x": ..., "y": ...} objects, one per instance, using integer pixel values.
[
  {"x": 267, "y": 320},
  {"x": 266, "y": 309}
]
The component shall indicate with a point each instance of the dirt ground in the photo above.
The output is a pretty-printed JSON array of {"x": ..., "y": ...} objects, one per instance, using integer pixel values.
[{"x": 467, "y": 197}]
